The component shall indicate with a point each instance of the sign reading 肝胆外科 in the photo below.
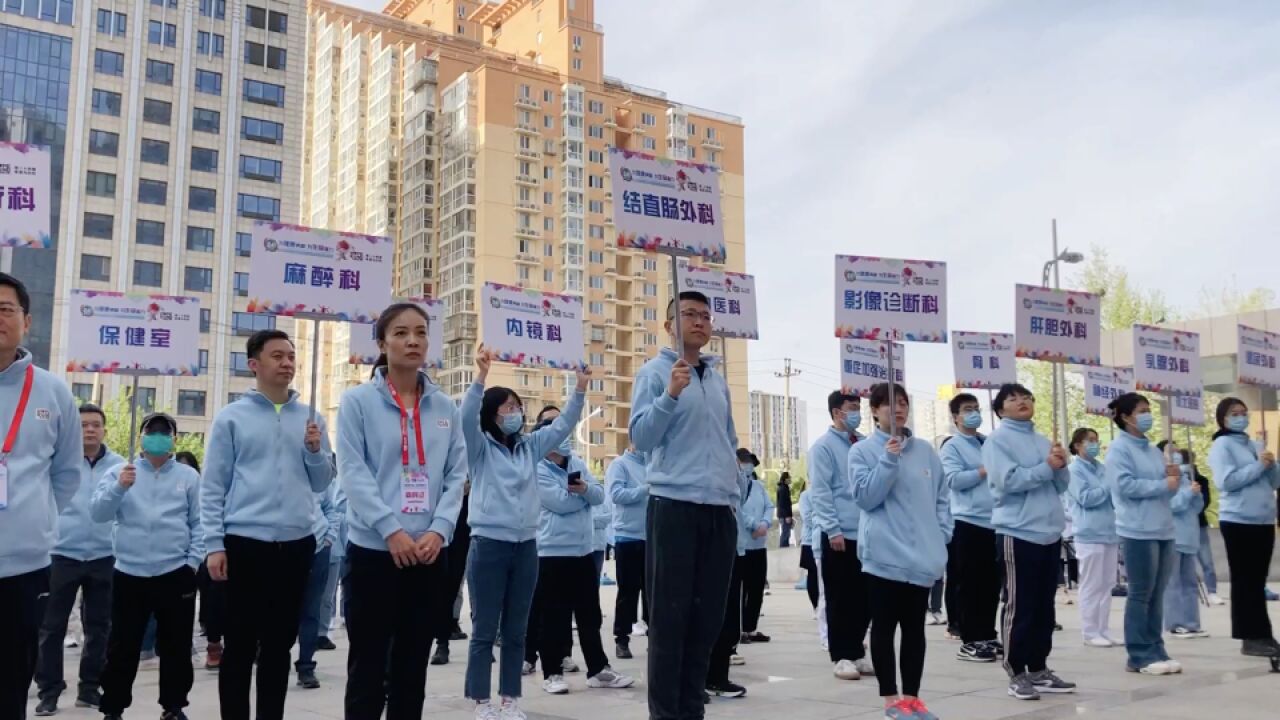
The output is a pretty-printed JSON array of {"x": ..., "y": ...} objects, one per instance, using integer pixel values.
[
  {"x": 364, "y": 346},
  {"x": 983, "y": 360},
  {"x": 1165, "y": 361},
  {"x": 863, "y": 365},
  {"x": 1104, "y": 384},
  {"x": 891, "y": 299},
  {"x": 114, "y": 332},
  {"x": 532, "y": 328},
  {"x": 1257, "y": 352},
  {"x": 1058, "y": 325},
  {"x": 26, "y": 205},
  {"x": 732, "y": 296},
  {"x": 666, "y": 205},
  {"x": 296, "y": 270}
]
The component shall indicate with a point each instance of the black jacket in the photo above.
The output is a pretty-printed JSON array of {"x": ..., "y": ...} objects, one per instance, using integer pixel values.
[{"x": 784, "y": 502}]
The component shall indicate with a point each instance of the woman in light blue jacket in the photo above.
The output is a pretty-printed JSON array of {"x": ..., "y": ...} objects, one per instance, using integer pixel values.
[
  {"x": 1247, "y": 481},
  {"x": 757, "y": 518},
  {"x": 1097, "y": 545},
  {"x": 1182, "y": 596}
]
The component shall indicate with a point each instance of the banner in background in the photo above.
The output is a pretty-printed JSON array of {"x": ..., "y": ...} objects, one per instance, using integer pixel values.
[
  {"x": 26, "y": 204},
  {"x": 887, "y": 298},
  {"x": 1104, "y": 384},
  {"x": 364, "y": 346},
  {"x": 732, "y": 296},
  {"x": 1188, "y": 410},
  {"x": 863, "y": 364},
  {"x": 661, "y": 204},
  {"x": 532, "y": 328},
  {"x": 1058, "y": 325},
  {"x": 1256, "y": 355},
  {"x": 110, "y": 332},
  {"x": 299, "y": 270},
  {"x": 983, "y": 360},
  {"x": 1166, "y": 362}
]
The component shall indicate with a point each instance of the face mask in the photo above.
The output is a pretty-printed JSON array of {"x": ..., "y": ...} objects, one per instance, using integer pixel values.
[
  {"x": 1144, "y": 422},
  {"x": 746, "y": 468},
  {"x": 157, "y": 444},
  {"x": 511, "y": 424},
  {"x": 972, "y": 420},
  {"x": 1178, "y": 458},
  {"x": 566, "y": 448},
  {"x": 1237, "y": 423},
  {"x": 1092, "y": 449},
  {"x": 852, "y": 420}
]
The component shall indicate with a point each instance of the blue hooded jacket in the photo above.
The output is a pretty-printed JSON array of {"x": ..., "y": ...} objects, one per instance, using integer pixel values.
[
  {"x": 79, "y": 537},
  {"x": 328, "y": 519},
  {"x": 1246, "y": 488},
  {"x": 1025, "y": 489},
  {"x": 157, "y": 520},
  {"x": 1186, "y": 505},
  {"x": 1093, "y": 516},
  {"x": 629, "y": 492},
  {"x": 601, "y": 523},
  {"x": 566, "y": 523},
  {"x": 808, "y": 533},
  {"x": 834, "y": 511},
  {"x": 971, "y": 500},
  {"x": 757, "y": 512},
  {"x": 1136, "y": 476}
]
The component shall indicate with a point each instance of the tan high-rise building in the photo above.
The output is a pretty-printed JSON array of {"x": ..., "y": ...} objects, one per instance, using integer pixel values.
[{"x": 477, "y": 134}]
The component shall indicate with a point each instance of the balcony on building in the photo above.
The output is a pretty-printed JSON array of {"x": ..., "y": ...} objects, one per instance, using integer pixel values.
[
  {"x": 526, "y": 102},
  {"x": 712, "y": 144},
  {"x": 529, "y": 154},
  {"x": 526, "y": 129},
  {"x": 528, "y": 232},
  {"x": 526, "y": 180},
  {"x": 527, "y": 259}
]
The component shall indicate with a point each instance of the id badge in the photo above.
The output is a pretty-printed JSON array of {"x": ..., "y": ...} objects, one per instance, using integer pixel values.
[
  {"x": 415, "y": 492},
  {"x": 4, "y": 484}
]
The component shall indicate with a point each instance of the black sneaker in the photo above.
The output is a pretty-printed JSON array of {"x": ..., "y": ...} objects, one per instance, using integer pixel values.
[
  {"x": 728, "y": 689},
  {"x": 172, "y": 715},
  {"x": 745, "y": 639},
  {"x": 441, "y": 656},
  {"x": 1046, "y": 682},
  {"x": 996, "y": 647},
  {"x": 324, "y": 643},
  {"x": 307, "y": 679},
  {"x": 457, "y": 634},
  {"x": 47, "y": 707},
  {"x": 706, "y": 699},
  {"x": 758, "y": 637},
  {"x": 113, "y": 716},
  {"x": 623, "y": 652},
  {"x": 1020, "y": 687},
  {"x": 89, "y": 699},
  {"x": 976, "y": 652},
  {"x": 1259, "y": 648}
]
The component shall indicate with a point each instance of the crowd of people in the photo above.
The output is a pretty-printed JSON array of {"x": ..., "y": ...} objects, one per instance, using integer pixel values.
[{"x": 418, "y": 493}]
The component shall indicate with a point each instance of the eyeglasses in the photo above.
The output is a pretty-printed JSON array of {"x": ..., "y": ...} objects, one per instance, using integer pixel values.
[
  {"x": 10, "y": 310},
  {"x": 705, "y": 317}
]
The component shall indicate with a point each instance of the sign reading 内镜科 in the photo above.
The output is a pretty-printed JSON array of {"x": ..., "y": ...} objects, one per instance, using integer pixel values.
[{"x": 532, "y": 328}]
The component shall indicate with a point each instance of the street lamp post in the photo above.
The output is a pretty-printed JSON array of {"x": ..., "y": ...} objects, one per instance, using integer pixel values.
[
  {"x": 584, "y": 431},
  {"x": 1059, "y": 371}
]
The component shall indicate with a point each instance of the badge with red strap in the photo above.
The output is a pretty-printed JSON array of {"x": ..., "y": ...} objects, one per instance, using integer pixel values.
[
  {"x": 415, "y": 488},
  {"x": 12, "y": 436}
]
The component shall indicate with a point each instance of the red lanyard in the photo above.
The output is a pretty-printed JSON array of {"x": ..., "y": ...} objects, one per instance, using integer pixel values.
[
  {"x": 404, "y": 429},
  {"x": 18, "y": 413}
]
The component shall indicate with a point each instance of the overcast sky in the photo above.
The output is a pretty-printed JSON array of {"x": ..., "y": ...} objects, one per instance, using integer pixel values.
[{"x": 956, "y": 130}]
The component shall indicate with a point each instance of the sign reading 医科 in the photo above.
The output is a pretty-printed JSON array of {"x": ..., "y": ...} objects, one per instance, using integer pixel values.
[
  {"x": 732, "y": 296},
  {"x": 26, "y": 207},
  {"x": 1166, "y": 362},
  {"x": 114, "y": 332},
  {"x": 666, "y": 205},
  {"x": 1058, "y": 325},
  {"x": 1104, "y": 384},
  {"x": 298, "y": 270},
  {"x": 891, "y": 299},
  {"x": 532, "y": 328},
  {"x": 983, "y": 360},
  {"x": 364, "y": 346},
  {"x": 863, "y": 365}
]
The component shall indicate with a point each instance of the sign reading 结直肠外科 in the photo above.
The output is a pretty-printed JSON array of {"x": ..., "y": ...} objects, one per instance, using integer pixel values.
[
  {"x": 983, "y": 360},
  {"x": 364, "y": 346},
  {"x": 1188, "y": 410},
  {"x": 863, "y": 365},
  {"x": 1257, "y": 352},
  {"x": 1104, "y": 384},
  {"x": 26, "y": 206},
  {"x": 532, "y": 328},
  {"x": 732, "y": 296},
  {"x": 891, "y": 299},
  {"x": 113, "y": 332},
  {"x": 1058, "y": 325},
  {"x": 297, "y": 270},
  {"x": 666, "y": 205},
  {"x": 1166, "y": 362}
]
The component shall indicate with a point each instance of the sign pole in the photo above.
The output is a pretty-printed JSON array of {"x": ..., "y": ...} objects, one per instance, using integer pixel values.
[
  {"x": 1168, "y": 426},
  {"x": 675, "y": 299},
  {"x": 315, "y": 366},
  {"x": 991, "y": 404},
  {"x": 893, "y": 403},
  {"x": 133, "y": 418}
]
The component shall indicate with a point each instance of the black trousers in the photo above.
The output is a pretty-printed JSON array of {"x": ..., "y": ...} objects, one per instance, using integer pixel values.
[
  {"x": 848, "y": 615},
  {"x": 810, "y": 575},
  {"x": 755, "y": 572},
  {"x": 1249, "y": 549},
  {"x": 171, "y": 599},
  {"x": 951, "y": 589},
  {"x": 265, "y": 584},
  {"x": 976, "y": 581},
  {"x": 568, "y": 588},
  {"x": 688, "y": 563},
  {"x": 22, "y": 608},
  {"x": 392, "y": 617},
  {"x": 897, "y": 605},
  {"x": 730, "y": 628},
  {"x": 67, "y": 579},
  {"x": 1031, "y": 581},
  {"x": 629, "y": 561},
  {"x": 213, "y": 604}
]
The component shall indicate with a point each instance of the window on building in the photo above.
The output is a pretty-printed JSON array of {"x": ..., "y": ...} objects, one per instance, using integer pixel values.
[
  {"x": 110, "y": 23},
  {"x": 152, "y": 192},
  {"x": 100, "y": 184},
  {"x": 650, "y": 144},
  {"x": 266, "y": 20},
  {"x": 548, "y": 198},
  {"x": 159, "y": 72},
  {"x": 191, "y": 402},
  {"x": 242, "y": 284},
  {"x": 548, "y": 173},
  {"x": 522, "y": 273},
  {"x": 651, "y": 314},
  {"x": 155, "y": 152},
  {"x": 204, "y": 120},
  {"x": 233, "y": 396},
  {"x": 595, "y": 307},
  {"x": 204, "y": 360},
  {"x": 105, "y": 143},
  {"x": 277, "y": 58},
  {"x": 255, "y": 53},
  {"x": 149, "y": 232},
  {"x": 548, "y": 96},
  {"x": 95, "y": 267},
  {"x": 240, "y": 365},
  {"x": 255, "y": 16},
  {"x": 595, "y": 257},
  {"x": 156, "y": 111},
  {"x": 577, "y": 63},
  {"x": 216, "y": 9},
  {"x": 210, "y": 44},
  {"x": 148, "y": 274},
  {"x": 106, "y": 102},
  {"x": 200, "y": 239},
  {"x": 264, "y": 131},
  {"x": 596, "y": 231},
  {"x": 244, "y": 244},
  {"x": 264, "y": 93},
  {"x": 159, "y": 33},
  {"x": 197, "y": 279},
  {"x": 548, "y": 122},
  {"x": 256, "y": 168},
  {"x": 650, "y": 290},
  {"x": 595, "y": 106},
  {"x": 243, "y": 323},
  {"x": 595, "y": 206},
  {"x": 208, "y": 82},
  {"x": 648, "y": 120},
  {"x": 202, "y": 199},
  {"x": 258, "y": 207},
  {"x": 595, "y": 156},
  {"x": 651, "y": 265},
  {"x": 97, "y": 225},
  {"x": 548, "y": 275},
  {"x": 596, "y": 132},
  {"x": 204, "y": 159},
  {"x": 82, "y": 392},
  {"x": 206, "y": 319},
  {"x": 595, "y": 181},
  {"x": 597, "y": 283},
  {"x": 108, "y": 62},
  {"x": 549, "y": 224}
]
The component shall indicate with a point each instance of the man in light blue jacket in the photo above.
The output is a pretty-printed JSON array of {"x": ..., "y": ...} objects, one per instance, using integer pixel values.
[
  {"x": 266, "y": 458},
  {"x": 82, "y": 563},
  {"x": 630, "y": 494}
]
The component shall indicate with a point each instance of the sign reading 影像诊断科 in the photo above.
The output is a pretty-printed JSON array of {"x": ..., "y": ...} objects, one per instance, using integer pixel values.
[
  {"x": 863, "y": 365},
  {"x": 114, "y": 332},
  {"x": 532, "y": 328},
  {"x": 296, "y": 270},
  {"x": 891, "y": 299},
  {"x": 983, "y": 360},
  {"x": 364, "y": 346},
  {"x": 666, "y": 205},
  {"x": 26, "y": 206}
]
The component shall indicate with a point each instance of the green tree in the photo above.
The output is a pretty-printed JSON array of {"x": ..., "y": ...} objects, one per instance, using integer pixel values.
[
  {"x": 118, "y": 430},
  {"x": 1229, "y": 300}
]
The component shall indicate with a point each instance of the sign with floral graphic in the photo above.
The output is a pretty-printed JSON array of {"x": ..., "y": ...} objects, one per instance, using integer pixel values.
[
  {"x": 732, "y": 296},
  {"x": 532, "y": 328},
  {"x": 26, "y": 204},
  {"x": 1058, "y": 325},
  {"x": 298, "y": 270},
  {"x": 364, "y": 346},
  {"x": 864, "y": 364},
  {"x": 1104, "y": 384},
  {"x": 1257, "y": 352},
  {"x": 890, "y": 299},
  {"x": 983, "y": 360},
  {"x": 113, "y": 332},
  {"x": 1166, "y": 362},
  {"x": 666, "y": 205}
]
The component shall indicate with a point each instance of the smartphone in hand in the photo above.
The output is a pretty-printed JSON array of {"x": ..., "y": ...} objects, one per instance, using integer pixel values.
[{"x": 575, "y": 478}]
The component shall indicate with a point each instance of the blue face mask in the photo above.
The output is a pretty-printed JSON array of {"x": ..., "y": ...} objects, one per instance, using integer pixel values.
[
  {"x": 1237, "y": 423},
  {"x": 511, "y": 424},
  {"x": 852, "y": 420},
  {"x": 1144, "y": 422},
  {"x": 157, "y": 443},
  {"x": 972, "y": 420},
  {"x": 1092, "y": 449},
  {"x": 746, "y": 469}
]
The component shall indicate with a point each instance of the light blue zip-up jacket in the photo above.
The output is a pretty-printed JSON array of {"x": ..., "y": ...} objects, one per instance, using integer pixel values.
[
  {"x": 1025, "y": 490},
  {"x": 259, "y": 478},
  {"x": 1246, "y": 489},
  {"x": 834, "y": 511},
  {"x": 44, "y": 465},
  {"x": 906, "y": 510},
  {"x": 328, "y": 519},
  {"x": 504, "y": 484},
  {"x": 971, "y": 500},
  {"x": 807, "y": 529},
  {"x": 157, "y": 520},
  {"x": 566, "y": 526},
  {"x": 371, "y": 462},
  {"x": 340, "y": 504},
  {"x": 1186, "y": 506},
  {"x": 757, "y": 512},
  {"x": 601, "y": 522},
  {"x": 1093, "y": 517},
  {"x": 1135, "y": 474},
  {"x": 629, "y": 492},
  {"x": 79, "y": 537},
  {"x": 690, "y": 441}
]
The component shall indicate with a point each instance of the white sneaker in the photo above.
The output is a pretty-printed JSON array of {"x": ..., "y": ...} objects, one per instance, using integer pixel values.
[
  {"x": 569, "y": 666},
  {"x": 555, "y": 685},
  {"x": 826, "y": 646},
  {"x": 1156, "y": 668},
  {"x": 863, "y": 666},
  {"x": 736, "y": 659},
  {"x": 70, "y": 642},
  {"x": 486, "y": 711},
  {"x": 511, "y": 711},
  {"x": 934, "y": 618},
  {"x": 526, "y": 668},
  {"x": 846, "y": 670},
  {"x": 1174, "y": 666},
  {"x": 639, "y": 629},
  {"x": 609, "y": 679},
  {"x": 1098, "y": 642},
  {"x": 1215, "y": 599}
]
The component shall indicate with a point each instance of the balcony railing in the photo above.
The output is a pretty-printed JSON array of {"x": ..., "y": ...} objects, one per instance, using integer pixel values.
[{"x": 526, "y": 102}]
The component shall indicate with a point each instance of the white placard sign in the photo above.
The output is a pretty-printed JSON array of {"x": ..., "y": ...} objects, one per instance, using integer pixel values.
[
  {"x": 891, "y": 299},
  {"x": 532, "y": 328},
  {"x": 1058, "y": 325},
  {"x": 1166, "y": 362},
  {"x": 863, "y": 365},
  {"x": 112, "y": 332},
  {"x": 1188, "y": 410},
  {"x": 662, "y": 204},
  {"x": 364, "y": 346},
  {"x": 983, "y": 360},
  {"x": 1257, "y": 352},
  {"x": 1104, "y": 384},
  {"x": 26, "y": 205},
  {"x": 732, "y": 296},
  {"x": 296, "y": 270}
]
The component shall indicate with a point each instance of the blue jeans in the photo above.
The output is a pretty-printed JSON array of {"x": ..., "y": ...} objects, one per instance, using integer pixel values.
[
  {"x": 309, "y": 619},
  {"x": 329, "y": 602},
  {"x": 1205, "y": 556},
  {"x": 1149, "y": 564},
  {"x": 1182, "y": 596},
  {"x": 502, "y": 577}
]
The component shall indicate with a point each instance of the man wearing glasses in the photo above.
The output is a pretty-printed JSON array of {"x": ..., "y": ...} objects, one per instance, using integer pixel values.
[{"x": 682, "y": 419}]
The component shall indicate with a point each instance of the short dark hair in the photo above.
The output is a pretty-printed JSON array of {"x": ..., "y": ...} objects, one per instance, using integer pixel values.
[
  {"x": 259, "y": 340},
  {"x": 188, "y": 458},
  {"x": 91, "y": 408},
  {"x": 686, "y": 295},
  {"x": 546, "y": 409},
  {"x": 1124, "y": 406},
  {"x": 1224, "y": 407},
  {"x": 837, "y": 399},
  {"x": 880, "y": 394},
  {"x": 24, "y": 297},
  {"x": 1006, "y": 391},
  {"x": 493, "y": 400},
  {"x": 745, "y": 455},
  {"x": 959, "y": 400},
  {"x": 1079, "y": 436}
]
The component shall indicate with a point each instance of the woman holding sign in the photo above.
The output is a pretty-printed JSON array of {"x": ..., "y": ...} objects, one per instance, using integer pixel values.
[{"x": 402, "y": 461}]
